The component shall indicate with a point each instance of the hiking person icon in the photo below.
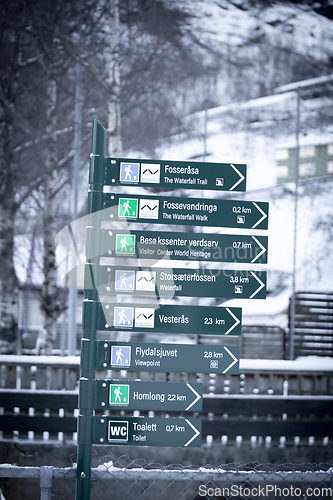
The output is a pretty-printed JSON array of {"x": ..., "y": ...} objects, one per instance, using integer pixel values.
[
  {"x": 120, "y": 355},
  {"x": 128, "y": 172},
  {"x": 124, "y": 244},
  {"x": 117, "y": 393},
  {"x": 121, "y": 317},
  {"x": 126, "y": 207},
  {"x": 123, "y": 280}
]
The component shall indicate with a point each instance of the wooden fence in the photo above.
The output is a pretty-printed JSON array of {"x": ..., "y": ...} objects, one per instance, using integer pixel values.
[{"x": 269, "y": 400}]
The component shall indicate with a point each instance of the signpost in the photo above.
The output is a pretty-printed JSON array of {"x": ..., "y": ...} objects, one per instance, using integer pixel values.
[
  {"x": 138, "y": 395},
  {"x": 171, "y": 174},
  {"x": 186, "y": 211},
  {"x": 140, "y": 431},
  {"x": 164, "y": 318},
  {"x": 187, "y": 358},
  {"x": 160, "y": 282},
  {"x": 180, "y": 282},
  {"x": 184, "y": 246}
]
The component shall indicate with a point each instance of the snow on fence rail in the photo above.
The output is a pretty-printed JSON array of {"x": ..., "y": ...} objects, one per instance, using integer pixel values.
[{"x": 303, "y": 376}]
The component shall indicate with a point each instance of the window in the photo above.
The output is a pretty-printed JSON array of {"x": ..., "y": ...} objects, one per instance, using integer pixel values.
[
  {"x": 283, "y": 171},
  {"x": 282, "y": 154},
  {"x": 307, "y": 152},
  {"x": 330, "y": 167},
  {"x": 307, "y": 169}
]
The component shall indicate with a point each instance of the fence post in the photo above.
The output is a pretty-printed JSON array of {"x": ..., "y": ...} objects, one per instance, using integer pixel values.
[
  {"x": 45, "y": 481},
  {"x": 89, "y": 324}
]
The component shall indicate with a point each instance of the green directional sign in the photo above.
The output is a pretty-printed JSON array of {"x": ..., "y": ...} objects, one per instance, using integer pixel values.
[
  {"x": 185, "y": 246},
  {"x": 188, "y": 358},
  {"x": 137, "y": 395},
  {"x": 170, "y": 174},
  {"x": 141, "y": 431},
  {"x": 182, "y": 282},
  {"x": 164, "y": 318},
  {"x": 189, "y": 211}
]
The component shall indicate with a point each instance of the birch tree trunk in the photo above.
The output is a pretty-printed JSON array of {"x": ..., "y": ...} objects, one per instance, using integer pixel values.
[
  {"x": 114, "y": 119},
  {"x": 49, "y": 299},
  {"x": 9, "y": 285}
]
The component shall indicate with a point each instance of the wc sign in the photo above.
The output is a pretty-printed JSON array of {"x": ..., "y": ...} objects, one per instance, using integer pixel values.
[{"x": 118, "y": 431}]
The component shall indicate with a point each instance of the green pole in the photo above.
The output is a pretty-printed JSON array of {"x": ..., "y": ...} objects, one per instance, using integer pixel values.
[{"x": 88, "y": 344}]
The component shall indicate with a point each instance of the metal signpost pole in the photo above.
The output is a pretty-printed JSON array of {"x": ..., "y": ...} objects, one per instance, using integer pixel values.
[
  {"x": 293, "y": 294},
  {"x": 86, "y": 398},
  {"x": 72, "y": 329}
]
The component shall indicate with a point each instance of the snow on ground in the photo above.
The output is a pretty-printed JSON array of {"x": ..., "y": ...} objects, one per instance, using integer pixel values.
[{"x": 257, "y": 148}]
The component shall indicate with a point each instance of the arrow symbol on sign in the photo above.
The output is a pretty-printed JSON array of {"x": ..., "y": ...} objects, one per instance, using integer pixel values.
[
  {"x": 263, "y": 250},
  {"x": 264, "y": 215},
  {"x": 236, "y": 321},
  {"x": 197, "y": 433},
  {"x": 260, "y": 283},
  {"x": 197, "y": 396},
  {"x": 241, "y": 177},
  {"x": 234, "y": 360}
]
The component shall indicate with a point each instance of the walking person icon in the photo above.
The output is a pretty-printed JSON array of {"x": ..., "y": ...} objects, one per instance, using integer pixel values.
[
  {"x": 126, "y": 207},
  {"x": 121, "y": 317},
  {"x": 117, "y": 393},
  {"x": 128, "y": 172},
  {"x": 124, "y": 244},
  {"x": 121, "y": 355},
  {"x": 124, "y": 280}
]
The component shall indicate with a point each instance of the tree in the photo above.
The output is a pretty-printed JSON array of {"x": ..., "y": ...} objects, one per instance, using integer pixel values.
[
  {"x": 16, "y": 181},
  {"x": 114, "y": 111},
  {"x": 40, "y": 46},
  {"x": 50, "y": 24}
]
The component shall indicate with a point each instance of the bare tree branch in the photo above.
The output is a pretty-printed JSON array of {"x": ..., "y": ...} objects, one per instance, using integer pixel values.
[{"x": 10, "y": 106}]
